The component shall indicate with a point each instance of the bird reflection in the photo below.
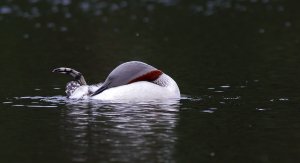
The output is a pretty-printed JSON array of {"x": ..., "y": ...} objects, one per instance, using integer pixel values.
[{"x": 94, "y": 131}]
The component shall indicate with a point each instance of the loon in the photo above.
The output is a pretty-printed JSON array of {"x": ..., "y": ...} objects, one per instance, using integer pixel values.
[{"x": 132, "y": 80}]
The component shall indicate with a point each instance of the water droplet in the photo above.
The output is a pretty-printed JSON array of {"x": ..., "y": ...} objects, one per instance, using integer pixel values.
[
  {"x": 207, "y": 111},
  {"x": 5, "y": 10},
  {"x": 280, "y": 8},
  {"x": 85, "y": 6},
  {"x": 225, "y": 86},
  {"x": 35, "y": 12},
  {"x": 7, "y": 102},
  {"x": 68, "y": 15},
  {"x": 287, "y": 24},
  {"x": 146, "y": 20},
  {"x": 213, "y": 108},
  {"x": 50, "y": 25},
  {"x": 283, "y": 99},
  {"x": 137, "y": 34},
  {"x": 262, "y": 109},
  {"x": 261, "y": 30},
  {"x": 63, "y": 29},
  {"x": 114, "y": 7},
  {"x": 219, "y": 91},
  {"x": 116, "y": 30},
  {"x": 65, "y": 2},
  {"x": 26, "y": 36},
  {"x": 232, "y": 98},
  {"x": 18, "y": 105}
]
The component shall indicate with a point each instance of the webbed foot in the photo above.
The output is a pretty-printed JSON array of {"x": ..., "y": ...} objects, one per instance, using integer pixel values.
[{"x": 75, "y": 74}]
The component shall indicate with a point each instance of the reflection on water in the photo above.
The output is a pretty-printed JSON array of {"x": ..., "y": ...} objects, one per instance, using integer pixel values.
[
  {"x": 238, "y": 59},
  {"x": 122, "y": 132},
  {"x": 93, "y": 131}
]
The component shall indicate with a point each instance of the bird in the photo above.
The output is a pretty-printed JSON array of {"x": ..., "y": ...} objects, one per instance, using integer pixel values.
[{"x": 133, "y": 80}]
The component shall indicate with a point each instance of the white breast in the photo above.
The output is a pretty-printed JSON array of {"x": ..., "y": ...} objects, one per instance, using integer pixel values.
[{"x": 137, "y": 91}]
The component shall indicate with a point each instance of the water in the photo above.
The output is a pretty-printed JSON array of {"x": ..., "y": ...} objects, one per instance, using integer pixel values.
[{"x": 236, "y": 63}]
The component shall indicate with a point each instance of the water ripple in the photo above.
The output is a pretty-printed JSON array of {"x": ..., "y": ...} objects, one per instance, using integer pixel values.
[{"x": 119, "y": 131}]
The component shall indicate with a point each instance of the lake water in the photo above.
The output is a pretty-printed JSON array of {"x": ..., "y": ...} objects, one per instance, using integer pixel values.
[{"x": 236, "y": 63}]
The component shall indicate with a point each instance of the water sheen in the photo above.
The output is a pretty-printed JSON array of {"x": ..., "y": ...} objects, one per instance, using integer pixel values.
[
  {"x": 92, "y": 130},
  {"x": 235, "y": 61}
]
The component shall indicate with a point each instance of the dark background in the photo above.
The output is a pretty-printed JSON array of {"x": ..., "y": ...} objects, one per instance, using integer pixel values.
[{"x": 236, "y": 63}]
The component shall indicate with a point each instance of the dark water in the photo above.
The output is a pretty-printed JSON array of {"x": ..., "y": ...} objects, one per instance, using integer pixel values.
[{"x": 235, "y": 61}]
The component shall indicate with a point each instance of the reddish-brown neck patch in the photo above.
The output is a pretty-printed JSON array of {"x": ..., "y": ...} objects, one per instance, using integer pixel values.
[{"x": 150, "y": 76}]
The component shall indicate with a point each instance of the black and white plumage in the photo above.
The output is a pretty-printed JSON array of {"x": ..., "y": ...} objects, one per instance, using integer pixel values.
[{"x": 131, "y": 80}]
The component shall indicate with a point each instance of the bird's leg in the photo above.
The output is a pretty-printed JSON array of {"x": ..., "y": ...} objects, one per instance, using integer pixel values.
[{"x": 75, "y": 74}]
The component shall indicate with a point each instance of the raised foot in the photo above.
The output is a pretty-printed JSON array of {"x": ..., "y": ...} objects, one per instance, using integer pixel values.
[{"x": 75, "y": 74}]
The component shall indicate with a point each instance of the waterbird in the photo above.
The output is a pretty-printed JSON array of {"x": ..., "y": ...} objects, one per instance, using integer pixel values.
[{"x": 133, "y": 80}]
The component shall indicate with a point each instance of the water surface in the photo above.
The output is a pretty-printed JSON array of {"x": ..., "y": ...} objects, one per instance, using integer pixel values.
[{"x": 236, "y": 63}]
